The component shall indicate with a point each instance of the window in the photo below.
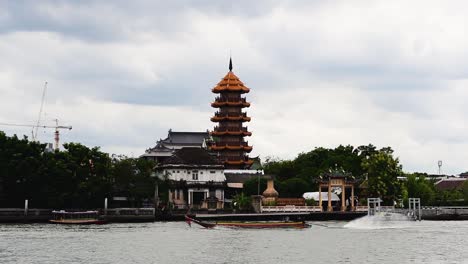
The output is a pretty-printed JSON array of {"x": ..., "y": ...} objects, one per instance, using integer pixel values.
[
  {"x": 212, "y": 172},
  {"x": 178, "y": 194},
  {"x": 201, "y": 172},
  {"x": 173, "y": 171},
  {"x": 177, "y": 171},
  {"x": 195, "y": 175},
  {"x": 173, "y": 194}
]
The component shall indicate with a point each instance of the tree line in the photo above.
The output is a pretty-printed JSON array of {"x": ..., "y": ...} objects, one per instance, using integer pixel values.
[
  {"x": 82, "y": 177},
  {"x": 77, "y": 177},
  {"x": 374, "y": 170}
]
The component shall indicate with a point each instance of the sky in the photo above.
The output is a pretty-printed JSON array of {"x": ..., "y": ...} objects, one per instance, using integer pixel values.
[{"x": 321, "y": 73}]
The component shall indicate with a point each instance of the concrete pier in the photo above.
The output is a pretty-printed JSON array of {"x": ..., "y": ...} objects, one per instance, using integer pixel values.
[
  {"x": 31, "y": 215},
  {"x": 20, "y": 215}
]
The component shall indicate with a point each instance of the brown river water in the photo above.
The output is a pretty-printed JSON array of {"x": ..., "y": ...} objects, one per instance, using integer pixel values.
[{"x": 360, "y": 241}]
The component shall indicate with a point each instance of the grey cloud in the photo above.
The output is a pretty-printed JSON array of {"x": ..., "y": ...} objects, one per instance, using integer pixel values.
[
  {"x": 341, "y": 80},
  {"x": 107, "y": 21}
]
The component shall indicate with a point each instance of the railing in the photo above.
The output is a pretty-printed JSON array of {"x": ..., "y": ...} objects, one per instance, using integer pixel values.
[
  {"x": 360, "y": 208},
  {"x": 290, "y": 201},
  {"x": 15, "y": 212},
  {"x": 180, "y": 205},
  {"x": 131, "y": 211},
  {"x": 12, "y": 212},
  {"x": 233, "y": 129},
  {"x": 387, "y": 208},
  {"x": 212, "y": 183},
  {"x": 219, "y": 205},
  {"x": 230, "y": 114},
  {"x": 232, "y": 100},
  {"x": 291, "y": 208},
  {"x": 243, "y": 144}
]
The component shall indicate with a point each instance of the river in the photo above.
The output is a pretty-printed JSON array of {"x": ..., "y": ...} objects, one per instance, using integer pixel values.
[{"x": 360, "y": 241}]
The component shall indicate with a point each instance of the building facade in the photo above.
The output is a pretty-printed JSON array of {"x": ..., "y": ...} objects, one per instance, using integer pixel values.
[
  {"x": 196, "y": 179},
  {"x": 228, "y": 136}
]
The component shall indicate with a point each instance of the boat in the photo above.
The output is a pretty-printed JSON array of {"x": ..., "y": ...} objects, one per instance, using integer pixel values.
[
  {"x": 252, "y": 225},
  {"x": 76, "y": 218}
]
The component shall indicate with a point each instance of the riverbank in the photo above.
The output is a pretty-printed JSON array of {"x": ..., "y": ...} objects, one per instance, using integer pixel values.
[{"x": 130, "y": 215}]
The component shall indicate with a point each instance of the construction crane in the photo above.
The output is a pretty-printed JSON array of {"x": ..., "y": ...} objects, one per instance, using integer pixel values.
[
  {"x": 56, "y": 127},
  {"x": 34, "y": 131}
]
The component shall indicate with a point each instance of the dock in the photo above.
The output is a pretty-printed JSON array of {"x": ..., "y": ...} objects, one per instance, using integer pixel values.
[{"x": 129, "y": 215}]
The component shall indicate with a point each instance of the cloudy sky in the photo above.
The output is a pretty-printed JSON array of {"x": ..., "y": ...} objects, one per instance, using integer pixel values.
[{"x": 321, "y": 73}]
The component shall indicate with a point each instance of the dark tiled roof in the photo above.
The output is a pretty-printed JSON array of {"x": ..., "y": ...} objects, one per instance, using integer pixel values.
[
  {"x": 449, "y": 184},
  {"x": 178, "y": 140},
  {"x": 191, "y": 156},
  {"x": 191, "y": 138}
]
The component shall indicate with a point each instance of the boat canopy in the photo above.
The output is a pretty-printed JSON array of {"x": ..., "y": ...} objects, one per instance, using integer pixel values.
[{"x": 74, "y": 213}]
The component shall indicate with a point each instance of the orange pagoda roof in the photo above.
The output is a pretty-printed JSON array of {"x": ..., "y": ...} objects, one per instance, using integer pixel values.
[
  {"x": 231, "y": 133},
  {"x": 244, "y": 148},
  {"x": 240, "y": 162},
  {"x": 230, "y": 83}
]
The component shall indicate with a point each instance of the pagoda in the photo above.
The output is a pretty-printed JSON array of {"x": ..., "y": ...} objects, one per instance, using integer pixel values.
[{"x": 228, "y": 135}]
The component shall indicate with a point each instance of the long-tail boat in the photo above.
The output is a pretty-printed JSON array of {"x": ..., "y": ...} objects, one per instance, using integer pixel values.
[{"x": 253, "y": 225}]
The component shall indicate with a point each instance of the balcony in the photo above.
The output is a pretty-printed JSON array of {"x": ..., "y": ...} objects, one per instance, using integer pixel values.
[
  {"x": 223, "y": 101},
  {"x": 232, "y": 131},
  {"x": 243, "y": 146},
  {"x": 230, "y": 116},
  {"x": 237, "y": 160}
]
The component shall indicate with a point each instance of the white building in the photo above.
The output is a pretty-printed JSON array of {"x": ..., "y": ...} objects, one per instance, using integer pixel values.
[{"x": 196, "y": 179}]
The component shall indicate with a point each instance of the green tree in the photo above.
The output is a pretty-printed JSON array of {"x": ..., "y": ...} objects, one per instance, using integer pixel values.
[
  {"x": 382, "y": 170},
  {"x": 133, "y": 178},
  {"x": 294, "y": 187},
  {"x": 77, "y": 177},
  {"x": 418, "y": 186},
  {"x": 251, "y": 186},
  {"x": 465, "y": 191}
]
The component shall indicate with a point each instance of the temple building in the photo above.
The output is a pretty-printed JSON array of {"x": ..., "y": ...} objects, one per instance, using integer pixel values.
[
  {"x": 195, "y": 177},
  {"x": 176, "y": 140},
  {"x": 228, "y": 136}
]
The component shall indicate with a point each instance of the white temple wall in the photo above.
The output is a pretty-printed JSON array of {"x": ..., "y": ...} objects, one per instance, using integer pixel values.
[{"x": 202, "y": 175}]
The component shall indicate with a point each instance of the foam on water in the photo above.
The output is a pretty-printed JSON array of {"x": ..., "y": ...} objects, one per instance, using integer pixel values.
[{"x": 380, "y": 221}]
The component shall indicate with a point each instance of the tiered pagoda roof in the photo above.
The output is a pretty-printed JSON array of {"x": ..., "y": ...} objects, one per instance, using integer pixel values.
[
  {"x": 230, "y": 83},
  {"x": 229, "y": 134}
]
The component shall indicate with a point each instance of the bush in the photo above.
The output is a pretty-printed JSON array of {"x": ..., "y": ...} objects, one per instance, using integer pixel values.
[
  {"x": 242, "y": 202},
  {"x": 310, "y": 202},
  {"x": 269, "y": 203}
]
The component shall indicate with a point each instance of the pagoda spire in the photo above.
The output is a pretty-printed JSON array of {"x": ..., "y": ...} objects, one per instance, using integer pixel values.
[{"x": 230, "y": 64}]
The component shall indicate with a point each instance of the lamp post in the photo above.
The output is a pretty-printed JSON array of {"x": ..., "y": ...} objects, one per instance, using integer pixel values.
[
  {"x": 258, "y": 183},
  {"x": 440, "y": 166}
]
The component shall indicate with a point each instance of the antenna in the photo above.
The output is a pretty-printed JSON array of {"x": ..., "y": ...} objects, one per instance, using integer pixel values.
[
  {"x": 439, "y": 163},
  {"x": 34, "y": 134}
]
